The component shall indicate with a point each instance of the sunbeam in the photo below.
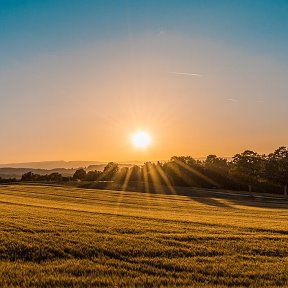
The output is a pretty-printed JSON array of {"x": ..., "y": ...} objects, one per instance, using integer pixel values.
[{"x": 195, "y": 172}]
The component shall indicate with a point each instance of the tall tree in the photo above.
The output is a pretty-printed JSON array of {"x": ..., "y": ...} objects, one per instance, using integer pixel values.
[
  {"x": 276, "y": 168},
  {"x": 92, "y": 175},
  {"x": 135, "y": 173},
  {"x": 122, "y": 174},
  {"x": 248, "y": 166},
  {"x": 216, "y": 164},
  {"x": 110, "y": 171},
  {"x": 79, "y": 174}
]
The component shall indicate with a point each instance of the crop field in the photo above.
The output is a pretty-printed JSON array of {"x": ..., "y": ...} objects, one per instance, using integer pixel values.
[{"x": 71, "y": 237}]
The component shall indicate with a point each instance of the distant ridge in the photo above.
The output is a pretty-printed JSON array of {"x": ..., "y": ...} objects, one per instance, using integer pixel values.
[
  {"x": 17, "y": 172},
  {"x": 51, "y": 164},
  {"x": 61, "y": 164},
  {"x": 66, "y": 168},
  {"x": 64, "y": 164}
]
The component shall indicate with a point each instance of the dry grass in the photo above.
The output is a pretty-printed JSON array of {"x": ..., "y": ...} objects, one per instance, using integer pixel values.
[{"x": 70, "y": 237}]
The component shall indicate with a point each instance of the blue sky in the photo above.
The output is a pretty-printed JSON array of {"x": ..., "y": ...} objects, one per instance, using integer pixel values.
[
  {"x": 78, "y": 77},
  {"x": 29, "y": 27}
]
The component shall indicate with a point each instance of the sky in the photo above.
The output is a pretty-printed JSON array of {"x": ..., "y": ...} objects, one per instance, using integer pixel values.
[{"x": 78, "y": 78}]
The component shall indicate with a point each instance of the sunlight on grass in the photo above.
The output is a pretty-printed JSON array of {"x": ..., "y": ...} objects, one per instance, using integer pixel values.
[{"x": 57, "y": 236}]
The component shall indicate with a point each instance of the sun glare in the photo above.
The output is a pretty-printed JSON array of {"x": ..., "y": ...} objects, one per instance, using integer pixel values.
[{"x": 141, "y": 139}]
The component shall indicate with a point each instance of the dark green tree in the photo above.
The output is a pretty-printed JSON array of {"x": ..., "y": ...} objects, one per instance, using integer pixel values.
[
  {"x": 29, "y": 176},
  {"x": 79, "y": 174},
  {"x": 135, "y": 173},
  {"x": 248, "y": 166},
  {"x": 122, "y": 174},
  {"x": 182, "y": 170},
  {"x": 214, "y": 163},
  {"x": 276, "y": 168},
  {"x": 188, "y": 160},
  {"x": 55, "y": 177},
  {"x": 110, "y": 171},
  {"x": 92, "y": 175}
]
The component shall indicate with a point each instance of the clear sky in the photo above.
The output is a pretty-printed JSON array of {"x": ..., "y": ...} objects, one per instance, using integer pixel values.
[{"x": 77, "y": 78}]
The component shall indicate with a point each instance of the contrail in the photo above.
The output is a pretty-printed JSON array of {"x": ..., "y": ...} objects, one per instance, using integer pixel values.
[{"x": 186, "y": 74}]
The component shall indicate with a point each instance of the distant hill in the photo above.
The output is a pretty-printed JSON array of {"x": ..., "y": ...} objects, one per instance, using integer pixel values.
[
  {"x": 100, "y": 167},
  {"x": 16, "y": 170},
  {"x": 51, "y": 164},
  {"x": 64, "y": 164}
]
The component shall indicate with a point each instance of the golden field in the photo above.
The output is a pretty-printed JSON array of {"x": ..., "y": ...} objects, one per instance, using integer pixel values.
[{"x": 71, "y": 237}]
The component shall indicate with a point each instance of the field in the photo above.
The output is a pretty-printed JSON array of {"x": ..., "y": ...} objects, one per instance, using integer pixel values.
[{"x": 72, "y": 237}]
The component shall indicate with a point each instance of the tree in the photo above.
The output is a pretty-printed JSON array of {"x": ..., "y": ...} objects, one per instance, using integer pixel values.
[
  {"x": 110, "y": 171},
  {"x": 248, "y": 166},
  {"x": 216, "y": 164},
  {"x": 276, "y": 168},
  {"x": 217, "y": 169},
  {"x": 135, "y": 173},
  {"x": 56, "y": 177},
  {"x": 92, "y": 175},
  {"x": 179, "y": 170},
  {"x": 79, "y": 174},
  {"x": 29, "y": 176},
  {"x": 122, "y": 174},
  {"x": 188, "y": 160}
]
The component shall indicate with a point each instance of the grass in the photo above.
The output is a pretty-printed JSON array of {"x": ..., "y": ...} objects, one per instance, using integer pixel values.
[{"x": 72, "y": 237}]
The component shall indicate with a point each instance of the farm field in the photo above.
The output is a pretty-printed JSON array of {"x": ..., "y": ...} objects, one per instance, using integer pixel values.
[{"x": 71, "y": 237}]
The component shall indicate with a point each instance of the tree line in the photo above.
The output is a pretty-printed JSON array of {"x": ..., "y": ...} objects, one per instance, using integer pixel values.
[{"x": 245, "y": 171}]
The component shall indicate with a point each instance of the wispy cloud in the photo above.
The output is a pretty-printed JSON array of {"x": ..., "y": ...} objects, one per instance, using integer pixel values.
[
  {"x": 186, "y": 74},
  {"x": 232, "y": 100}
]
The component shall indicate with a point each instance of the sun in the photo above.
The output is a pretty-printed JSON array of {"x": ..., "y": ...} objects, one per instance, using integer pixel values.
[{"x": 141, "y": 139}]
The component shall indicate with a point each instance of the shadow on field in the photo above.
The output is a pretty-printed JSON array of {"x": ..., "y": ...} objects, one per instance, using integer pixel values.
[
  {"x": 210, "y": 202},
  {"x": 211, "y": 197},
  {"x": 215, "y": 197}
]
